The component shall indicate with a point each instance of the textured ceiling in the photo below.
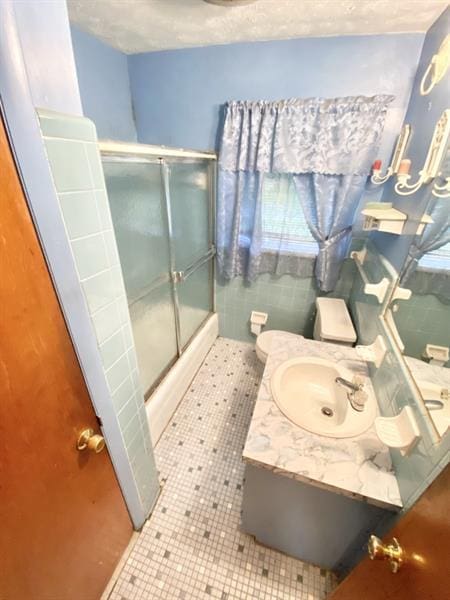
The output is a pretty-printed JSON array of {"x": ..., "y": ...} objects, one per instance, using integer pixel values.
[{"x": 148, "y": 25}]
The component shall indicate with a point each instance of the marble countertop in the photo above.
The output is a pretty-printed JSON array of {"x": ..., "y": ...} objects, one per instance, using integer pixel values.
[
  {"x": 358, "y": 467},
  {"x": 437, "y": 376},
  {"x": 427, "y": 372}
]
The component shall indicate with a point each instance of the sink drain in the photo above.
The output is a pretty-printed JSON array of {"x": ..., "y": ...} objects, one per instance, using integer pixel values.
[{"x": 327, "y": 411}]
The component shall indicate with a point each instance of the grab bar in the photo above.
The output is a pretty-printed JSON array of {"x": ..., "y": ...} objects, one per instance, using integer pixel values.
[{"x": 374, "y": 289}]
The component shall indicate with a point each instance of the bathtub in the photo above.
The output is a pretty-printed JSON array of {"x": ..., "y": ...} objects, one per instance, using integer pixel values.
[{"x": 162, "y": 404}]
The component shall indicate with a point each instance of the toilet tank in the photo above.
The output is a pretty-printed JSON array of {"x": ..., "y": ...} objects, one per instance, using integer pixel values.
[{"x": 333, "y": 323}]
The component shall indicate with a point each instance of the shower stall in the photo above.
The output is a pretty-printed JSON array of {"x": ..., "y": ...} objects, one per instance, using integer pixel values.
[{"x": 162, "y": 208}]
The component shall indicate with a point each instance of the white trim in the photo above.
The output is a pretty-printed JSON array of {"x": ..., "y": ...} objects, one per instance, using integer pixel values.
[{"x": 109, "y": 147}]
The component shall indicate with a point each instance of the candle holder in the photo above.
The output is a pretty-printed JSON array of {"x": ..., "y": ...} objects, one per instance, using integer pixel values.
[
  {"x": 402, "y": 141},
  {"x": 437, "y": 68},
  {"x": 430, "y": 170}
]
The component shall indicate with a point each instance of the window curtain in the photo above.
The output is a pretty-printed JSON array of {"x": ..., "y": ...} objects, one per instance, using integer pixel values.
[
  {"x": 435, "y": 235},
  {"x": 327, "y": 145}
]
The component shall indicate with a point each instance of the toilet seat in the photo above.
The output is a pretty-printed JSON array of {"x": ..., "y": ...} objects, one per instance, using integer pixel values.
[{"x": 264, "y": 342}]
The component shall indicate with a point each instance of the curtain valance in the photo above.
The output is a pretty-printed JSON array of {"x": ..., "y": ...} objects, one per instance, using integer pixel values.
[{"x": 315, "y": 135}]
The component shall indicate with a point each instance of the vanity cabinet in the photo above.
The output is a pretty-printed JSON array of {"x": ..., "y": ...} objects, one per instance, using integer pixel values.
[
  {"x": 315, "y": 525},
  {"x": 314, "y": 497}
]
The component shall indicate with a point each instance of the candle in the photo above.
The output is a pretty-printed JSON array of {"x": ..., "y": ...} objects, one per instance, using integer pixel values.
[
  {"x": 377, "y": 165},
  {"x": 405, "y": 166}
]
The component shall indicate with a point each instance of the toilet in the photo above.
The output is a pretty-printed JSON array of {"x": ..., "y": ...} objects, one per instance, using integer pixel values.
[
  {"x": 333, "y": 324},
  {"x": 264, "y": 341}
]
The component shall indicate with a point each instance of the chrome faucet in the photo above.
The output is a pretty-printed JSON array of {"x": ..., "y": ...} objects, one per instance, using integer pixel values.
[
  {"x": 356, "y": 396},
  {"x": 355, "y": 387}
]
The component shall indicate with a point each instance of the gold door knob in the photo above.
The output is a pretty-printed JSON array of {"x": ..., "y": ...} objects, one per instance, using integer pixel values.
[
  {"x": 87, "y": 439},
  {"x": 392, "y": 552}
]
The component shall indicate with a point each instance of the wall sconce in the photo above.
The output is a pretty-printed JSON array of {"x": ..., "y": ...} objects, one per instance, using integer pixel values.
[
  {"x": 430, "y": 170},
  {"x": 437, "y": 68},
  {"x": 442, "y": 191},
  {"x": 399, "y": 151}
]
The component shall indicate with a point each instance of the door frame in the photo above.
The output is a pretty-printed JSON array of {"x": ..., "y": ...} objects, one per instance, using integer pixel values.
[{"x": 21, "y": 123}]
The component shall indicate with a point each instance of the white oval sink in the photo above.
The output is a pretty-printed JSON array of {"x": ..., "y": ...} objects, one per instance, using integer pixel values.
[{"x": 305, "y": 390}]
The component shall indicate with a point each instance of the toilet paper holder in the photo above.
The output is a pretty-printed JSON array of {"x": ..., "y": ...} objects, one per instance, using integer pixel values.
[{"x": 257, "y": 321}]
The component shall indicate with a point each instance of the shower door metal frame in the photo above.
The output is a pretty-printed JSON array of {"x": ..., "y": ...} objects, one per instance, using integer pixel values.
[
  {"x": 142, "y": 153},
  {"x": 166, "y": 192},
  {"x": 147, "y": 150},
  {"x": 181, "y": 276}
]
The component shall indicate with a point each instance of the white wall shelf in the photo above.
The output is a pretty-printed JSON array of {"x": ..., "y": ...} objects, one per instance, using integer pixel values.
[{"x": 389, "y": 220}]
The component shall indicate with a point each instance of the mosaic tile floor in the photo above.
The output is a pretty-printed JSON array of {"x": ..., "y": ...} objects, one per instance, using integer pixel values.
[{"x": 192, "y": 546}]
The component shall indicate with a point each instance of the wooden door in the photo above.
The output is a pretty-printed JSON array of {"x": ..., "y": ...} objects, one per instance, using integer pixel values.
[
  {"x": 424, "y": 534},
  {"x": 63, "y": 520}
]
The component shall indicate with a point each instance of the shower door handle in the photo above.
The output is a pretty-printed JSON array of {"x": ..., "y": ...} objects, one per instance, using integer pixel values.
[{"x": 178, "y": 276}]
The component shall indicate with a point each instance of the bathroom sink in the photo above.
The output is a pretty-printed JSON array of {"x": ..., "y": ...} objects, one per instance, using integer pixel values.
[{"x": 306, "y": 392}]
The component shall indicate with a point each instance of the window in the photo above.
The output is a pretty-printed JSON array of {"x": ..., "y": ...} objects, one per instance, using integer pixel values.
[
  {"x": 437, "y": 259},
  {"x": 283, "y": 222}
]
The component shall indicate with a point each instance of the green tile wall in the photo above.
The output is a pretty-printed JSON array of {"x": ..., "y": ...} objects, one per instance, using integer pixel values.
[
  {"x": 288, "y": 300},
  {"x": 72, "y": 150},
  {"x": 423, "y": 320}
]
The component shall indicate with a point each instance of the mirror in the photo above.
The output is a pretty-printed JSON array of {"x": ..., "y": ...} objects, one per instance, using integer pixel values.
[{"x": 420, "y": 323}]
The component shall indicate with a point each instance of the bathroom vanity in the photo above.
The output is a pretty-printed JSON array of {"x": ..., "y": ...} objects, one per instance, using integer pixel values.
[{"x": 314, "y": 497}]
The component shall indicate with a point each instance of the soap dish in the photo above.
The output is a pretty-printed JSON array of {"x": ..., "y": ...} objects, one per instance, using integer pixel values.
[{"x": 399, "y": 432}]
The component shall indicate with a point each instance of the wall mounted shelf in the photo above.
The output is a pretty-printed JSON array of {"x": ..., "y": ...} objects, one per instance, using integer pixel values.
[
  {"x": 389, "y": 220},
  {"x": 401, "y": 431}
]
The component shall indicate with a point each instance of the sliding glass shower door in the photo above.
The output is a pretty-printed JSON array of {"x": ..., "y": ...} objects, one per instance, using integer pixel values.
[
  {"x": 188, "y": 185},
  {"x": 140, "y": 224},
  {"x": 162, "y": 214}
]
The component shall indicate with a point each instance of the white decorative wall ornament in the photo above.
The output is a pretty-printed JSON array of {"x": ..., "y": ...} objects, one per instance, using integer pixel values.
[
  {"x": 437, "y": 68},
  {"x": 432, "y": 165},
  {"x": 442, "y": 191},
  {"x": 402, "y": 142},
  {"x": 401, "y": 293}
]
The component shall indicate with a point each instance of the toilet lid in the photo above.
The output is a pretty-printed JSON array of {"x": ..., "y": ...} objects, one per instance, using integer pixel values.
[
  {"x": 335, "y": 321},
  {"x": 264, "y": 339}
]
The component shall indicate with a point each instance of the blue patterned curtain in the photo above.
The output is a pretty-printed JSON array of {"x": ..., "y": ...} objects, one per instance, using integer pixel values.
[
  {"x": 328, "y": 146},
  {"x": 329, "y": 203}
]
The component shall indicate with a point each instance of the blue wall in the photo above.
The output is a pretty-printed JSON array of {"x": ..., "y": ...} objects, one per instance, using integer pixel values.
[
  {"x": 104, "y": 86},
  {"x": 177, "y": 94},
  {"x": 44, "y": 34},
  {"x": 423, "y": 113}
]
